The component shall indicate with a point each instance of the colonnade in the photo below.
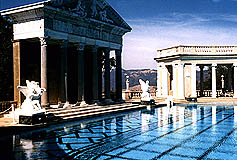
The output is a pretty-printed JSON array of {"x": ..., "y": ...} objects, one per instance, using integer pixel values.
[
  {"x": 184, "y": 83},
  {"x": 96, "y": 79}
]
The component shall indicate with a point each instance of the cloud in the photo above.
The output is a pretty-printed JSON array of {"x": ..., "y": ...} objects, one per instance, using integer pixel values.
[{"x": 164, "y": 31}]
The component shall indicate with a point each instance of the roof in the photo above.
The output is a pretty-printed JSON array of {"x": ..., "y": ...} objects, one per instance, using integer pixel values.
[
  {"x": 101, "y": 7},
  {"x": 16, "y": 3}
]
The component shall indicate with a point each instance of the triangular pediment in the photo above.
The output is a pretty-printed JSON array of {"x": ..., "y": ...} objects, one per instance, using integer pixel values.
[{"x": 95, "y": 9}]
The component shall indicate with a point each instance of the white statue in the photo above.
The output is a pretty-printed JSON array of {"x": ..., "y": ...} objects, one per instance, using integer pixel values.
[
  {"x": 146, "y": 96},
  {"x": 33, "y": 92}
]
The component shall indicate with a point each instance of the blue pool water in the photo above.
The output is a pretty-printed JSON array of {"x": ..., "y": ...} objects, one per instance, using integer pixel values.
[{"x": 182, "y": 132}]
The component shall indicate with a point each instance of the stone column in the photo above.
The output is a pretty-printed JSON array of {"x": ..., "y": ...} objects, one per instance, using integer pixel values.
[
  {"x": 81, "y": 73},
  {"x": 194, "y": 75},
  {"x": 214, "y": 80},
  {"x": 16, "y": 70},
  {"x": 63, "y": 75},
  {"x": 164, "y": 81},
  {"x": 118, "y": 75},
  {"x": 44, "y": 98},
  {"x": 201, "y": 80},
  {"x": 174, "y": 86},
  {"x": 107, "y": 75},
  {"x": 229, "y": 78},
  {"x": 95, "y": 74},
  {"x": 235, "y": 80},
  {"x": 100, "y": 53},
  {"x": 180, "y": 81},
  {"x": 158, "y": 92}
]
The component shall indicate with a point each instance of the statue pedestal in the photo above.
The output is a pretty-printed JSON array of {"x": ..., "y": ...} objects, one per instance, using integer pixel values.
[{"x": 32, "y": 119}]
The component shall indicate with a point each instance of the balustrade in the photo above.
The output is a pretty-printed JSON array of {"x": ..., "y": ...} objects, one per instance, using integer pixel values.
[
  {"x": 197, "y": 50},
  {"x": 136, "y": 94}
]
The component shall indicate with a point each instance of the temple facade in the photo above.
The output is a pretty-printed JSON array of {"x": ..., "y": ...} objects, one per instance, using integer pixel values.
[
  {"x": 177, "y": 69},
  {"x": 65, "y": 45}
]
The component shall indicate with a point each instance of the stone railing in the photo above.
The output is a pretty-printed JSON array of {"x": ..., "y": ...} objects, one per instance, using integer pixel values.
[
  {"x": 127, "y": 95},
  {"x": 197, "y": 50},
  {"x": 5, "y": 106},
  {"x": 208, "y": 93}
]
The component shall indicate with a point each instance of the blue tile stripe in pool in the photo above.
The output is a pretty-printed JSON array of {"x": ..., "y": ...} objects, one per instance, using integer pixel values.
[{"x": 161, "y": 133}]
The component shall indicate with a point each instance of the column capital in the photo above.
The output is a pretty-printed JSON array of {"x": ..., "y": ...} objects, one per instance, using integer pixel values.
[
  {"x": 107, "y": 50},
  {"x": 180, "y": 65},
  {"x": 159, "y": 65},
  {"x": 80, "y": 46},
  {"x": 174, "y": 65},
  {"x": 235, "y": 64},
  {"x": 214, "y": 64},
  {"x": 201, "y": 66},
  {"x": 64, "y": 44},
  {"x": 95, "y": 48},
  {"x": 44, "y": 41},
  {"x": 194, "y": 64},
  {"x": 118, "y": 52}
]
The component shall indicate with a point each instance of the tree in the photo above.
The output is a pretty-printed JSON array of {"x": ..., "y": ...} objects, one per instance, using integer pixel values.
[{"x": 6, "y": 69}]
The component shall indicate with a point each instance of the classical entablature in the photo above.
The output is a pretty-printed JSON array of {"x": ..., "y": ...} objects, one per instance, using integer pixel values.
[
  {"x": 198, "y": 54},
  {"x": 177, "y": 67},
  {"x": 66, "y": 45},
  {"x": 73, "y": 20}
]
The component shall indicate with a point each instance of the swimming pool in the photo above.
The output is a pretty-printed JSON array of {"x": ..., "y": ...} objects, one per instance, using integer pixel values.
[{"x": 180, "y": 132}]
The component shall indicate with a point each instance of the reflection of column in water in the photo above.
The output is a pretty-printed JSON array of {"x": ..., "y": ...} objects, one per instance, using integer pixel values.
[
  {"x": 101, "y": 124},
  {"x": 194, "y": 116},
  {"x": 159, "y": 114},
  {"x": 145, "y": 121},
  {"x": 174, "y": 115},
  {"x": 213, "y": 114},
  {"x": 16, "y": 143},
  {"x": 235, "y": 115},
  {"x": 181, "y": 116},
  {"x": 119, "y": 124},
  {"x": 108, "y": 124},
  {"x": 166, "y": 115},
  {"x": 202, "y": 113}
]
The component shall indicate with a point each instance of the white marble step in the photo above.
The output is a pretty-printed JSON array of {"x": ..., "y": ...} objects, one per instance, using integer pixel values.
[
  {"x": 101, "y": 109},
  {"x": 102, "y": 112},
  {"x": 80, "y": 109}
]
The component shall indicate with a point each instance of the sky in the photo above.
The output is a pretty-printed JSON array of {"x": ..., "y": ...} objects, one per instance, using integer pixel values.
[{"x": 158, "y": 24}]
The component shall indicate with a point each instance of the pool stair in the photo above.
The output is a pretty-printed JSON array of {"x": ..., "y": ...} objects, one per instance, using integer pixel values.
[{"x": 80, "y": 112}]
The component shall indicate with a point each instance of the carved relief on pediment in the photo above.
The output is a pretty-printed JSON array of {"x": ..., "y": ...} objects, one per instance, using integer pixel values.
[
  {"x": 84, "y": 8},
  {"x": 80, "y": 9},
  {"x": 104, "y": 17}
]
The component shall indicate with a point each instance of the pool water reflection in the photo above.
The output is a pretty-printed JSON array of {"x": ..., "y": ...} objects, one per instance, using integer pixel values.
[{"x": 180, "y": 132}]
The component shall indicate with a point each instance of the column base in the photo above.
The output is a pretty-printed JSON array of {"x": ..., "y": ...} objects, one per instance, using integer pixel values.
[
  {"x": 108, "y": 101},
  {"x": 45, "y": 105},
  {"x": 120, "y": 100},
  {"x": 66, "y": 105},
  {"x": 96, "y": 102},
  {"x": 83, "y": 103}
]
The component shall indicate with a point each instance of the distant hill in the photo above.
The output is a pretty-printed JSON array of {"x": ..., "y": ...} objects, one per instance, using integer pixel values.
[
  {"x": 150, "y": 75},
  {"x": 135, "y": 75}
]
